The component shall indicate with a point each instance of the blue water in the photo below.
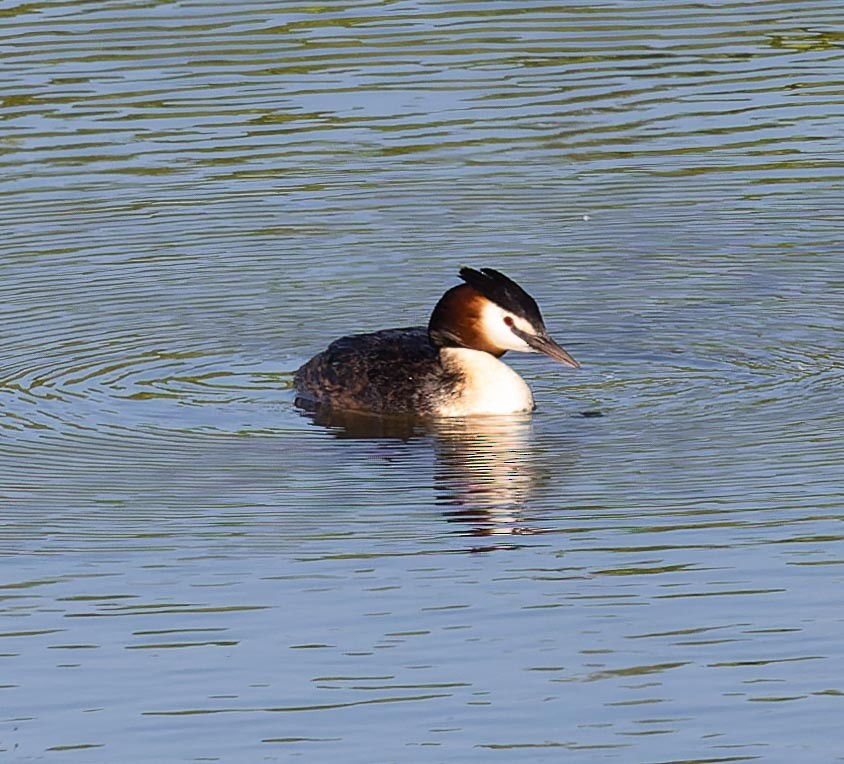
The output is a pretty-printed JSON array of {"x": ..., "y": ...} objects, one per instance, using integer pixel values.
[{"x": 196, "y": 198}]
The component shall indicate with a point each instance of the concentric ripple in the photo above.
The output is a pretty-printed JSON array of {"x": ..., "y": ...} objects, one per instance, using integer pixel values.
[{"x": 196, "y": 196}]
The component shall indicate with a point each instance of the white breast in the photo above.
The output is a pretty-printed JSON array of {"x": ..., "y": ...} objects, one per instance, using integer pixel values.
[{"x": 490, "y": 386}]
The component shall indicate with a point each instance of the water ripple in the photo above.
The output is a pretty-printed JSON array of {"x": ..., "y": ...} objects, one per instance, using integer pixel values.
[{"x": 198, "y": 196}]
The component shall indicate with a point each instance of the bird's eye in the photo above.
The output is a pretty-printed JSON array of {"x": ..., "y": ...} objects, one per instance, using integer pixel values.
[{"x": 509, "y": 321}]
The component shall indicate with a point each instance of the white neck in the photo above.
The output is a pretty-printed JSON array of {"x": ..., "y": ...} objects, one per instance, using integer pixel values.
[{"x": 489, "y": 386}]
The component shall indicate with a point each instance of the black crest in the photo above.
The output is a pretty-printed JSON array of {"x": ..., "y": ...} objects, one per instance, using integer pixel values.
[{"x": 504, "y": 292}]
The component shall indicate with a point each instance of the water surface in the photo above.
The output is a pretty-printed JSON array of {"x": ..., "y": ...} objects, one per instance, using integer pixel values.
[{"x": 197, "y": 197}]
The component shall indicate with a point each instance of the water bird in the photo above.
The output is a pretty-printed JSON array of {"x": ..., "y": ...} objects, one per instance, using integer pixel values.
[{"x": 450, "y": 368}]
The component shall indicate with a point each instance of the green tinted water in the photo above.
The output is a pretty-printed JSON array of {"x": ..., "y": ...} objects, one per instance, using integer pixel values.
[{"x": 196, "y": 197}]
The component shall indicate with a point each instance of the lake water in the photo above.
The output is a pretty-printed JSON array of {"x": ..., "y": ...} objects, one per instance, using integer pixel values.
[{"x": 196, "y": 197}]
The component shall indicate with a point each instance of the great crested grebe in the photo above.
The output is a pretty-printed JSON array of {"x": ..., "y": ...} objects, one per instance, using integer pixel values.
[{"x": 448, "y": 369}]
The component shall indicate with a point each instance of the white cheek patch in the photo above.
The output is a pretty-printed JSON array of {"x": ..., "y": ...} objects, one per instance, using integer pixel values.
[{"x": 497, "y": 331}]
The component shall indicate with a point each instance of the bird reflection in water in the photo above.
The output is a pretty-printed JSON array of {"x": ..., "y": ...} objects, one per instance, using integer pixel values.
[
  {"x": 484, "y": 470},
  {"x": 484, "y": 473}
]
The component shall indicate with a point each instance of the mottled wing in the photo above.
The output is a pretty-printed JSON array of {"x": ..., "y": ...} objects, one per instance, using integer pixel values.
[{"x": 393, "y": 371}]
